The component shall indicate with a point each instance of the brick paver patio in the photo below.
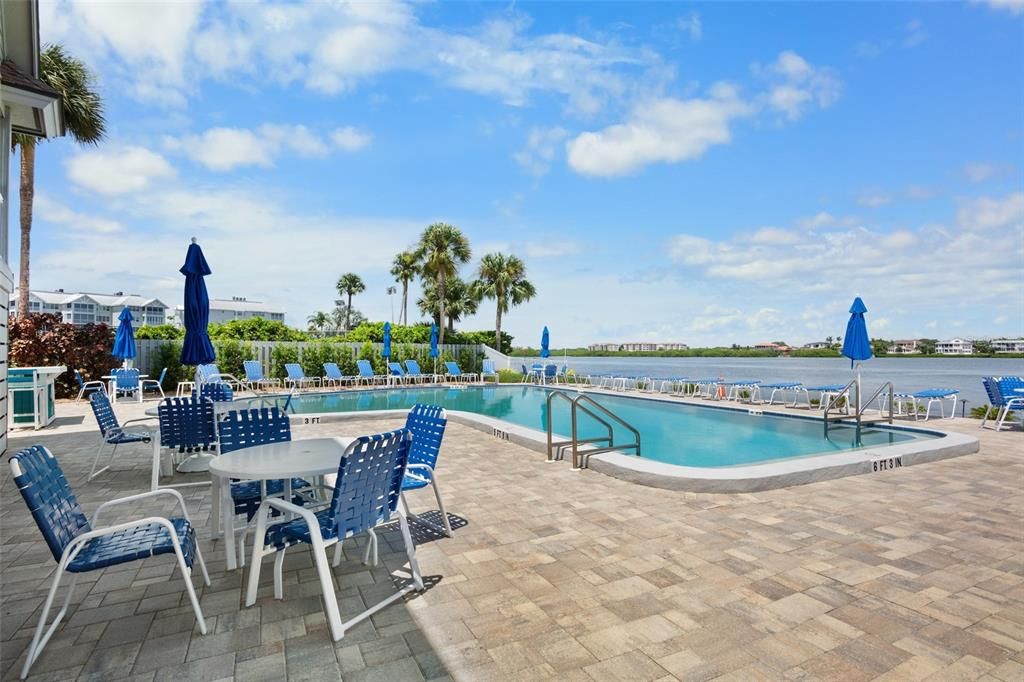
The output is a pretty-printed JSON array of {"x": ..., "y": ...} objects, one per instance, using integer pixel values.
[{"x": 914, "y": 573}]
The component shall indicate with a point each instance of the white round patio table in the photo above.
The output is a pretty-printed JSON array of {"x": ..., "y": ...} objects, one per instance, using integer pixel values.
[{"x": 284, "y": 460}]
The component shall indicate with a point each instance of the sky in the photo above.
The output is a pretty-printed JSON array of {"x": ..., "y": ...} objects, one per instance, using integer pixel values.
[{"x": 705, "y": 173}]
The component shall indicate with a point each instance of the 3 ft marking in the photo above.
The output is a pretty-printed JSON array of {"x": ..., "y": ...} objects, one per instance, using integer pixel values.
[
  {"x": 311, "y": 420},
  {"x": 886, "y": 464},
  {"x": 503, "y": 435}
]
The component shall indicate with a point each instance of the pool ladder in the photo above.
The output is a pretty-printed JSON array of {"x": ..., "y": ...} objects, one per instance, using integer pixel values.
[
  {"x": 590, "y": 407},
  {"x": 857, "y": 417}
]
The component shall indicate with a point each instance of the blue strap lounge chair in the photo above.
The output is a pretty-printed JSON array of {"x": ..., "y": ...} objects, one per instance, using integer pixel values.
[
  {"x": 155, "y": 384},
  {"x": 367, "y": 375},
  {"x": 255, "y": 379},
  {"x": 795, "y": 387},
  {"x": 111, "y": 432},
  {"x": 1004, "y": 396},
  {"x": 333, "y": 375},
  {"x": 398, "y": 372},
  {"x": 489, "y": 372},
  {"x": 88, "y": 387},
  {"x": 426, "y": 423},
  {"x": 457, "y": 374},
  {"x": 80, "y": 545},
  {"x": 211, "y": 374},
  {"x": 414, "y": 372},
  {"x": 297, "y": 377},
  {"x": 187, "y": 427},
  {"x": 367, "y": 493},
  {"x": 218, "y": 392}
]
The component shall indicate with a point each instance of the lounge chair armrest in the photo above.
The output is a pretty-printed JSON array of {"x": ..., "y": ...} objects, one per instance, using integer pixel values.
[
  {"x": 141, "y": 496},
  {"x": 411, "y": 468},
  {"x": 286, "y": 506}
]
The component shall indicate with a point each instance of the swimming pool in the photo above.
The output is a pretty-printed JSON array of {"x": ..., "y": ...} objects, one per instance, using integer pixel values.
[{"x": 671, "y": 432}]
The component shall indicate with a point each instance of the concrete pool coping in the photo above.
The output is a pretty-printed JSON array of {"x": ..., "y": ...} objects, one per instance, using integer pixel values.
[{"x": 777, "y": 473}]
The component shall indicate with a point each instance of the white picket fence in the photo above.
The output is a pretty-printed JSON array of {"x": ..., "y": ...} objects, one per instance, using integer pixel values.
[{"x": 262, "y": 350}]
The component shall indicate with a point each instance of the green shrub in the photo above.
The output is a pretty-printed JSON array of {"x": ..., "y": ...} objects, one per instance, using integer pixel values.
[
  {"x": 280, "y": 356},
  {"x": 256, "y": 329},
  {"x": 980, "y": 412},
  {"x": 509, "y": 376},
  {"x": 41, "y": 339},
  {"x": 230, "y": 356},
  {"x": 166, "y": 332},
  {"x": 168, "y": 354}
]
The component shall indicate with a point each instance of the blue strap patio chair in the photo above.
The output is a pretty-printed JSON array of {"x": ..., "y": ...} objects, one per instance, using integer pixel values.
[
  {"x": 218, "y": 392},
  {"x": 367, "y": 493},
  {"x": 255, "y": 380},
  {"x": 210, "y": 373},
  {"x": 88, "y": 387},
  {"x": 111, "y": 432},
  {"x": 155, "y": 384},
  {"x": 488, "y": 371},
  {"x": 398, "y": 372},
  {"x": 126, "y": 381},
  {"x": 550, "y": 373},
  {"x": 1003, "y": 396},
  {"x": 333, "y": 375},
  {"x": 187, "y": 427},
  {"x": 367, "y": 375},
  {"x": 80, "y": 545},
  {"x": 414, "y": 372},
  {"x": 297, "y": 377},
  {"x": 426, "y": 423},
  {"x": 457, "y": 374}
]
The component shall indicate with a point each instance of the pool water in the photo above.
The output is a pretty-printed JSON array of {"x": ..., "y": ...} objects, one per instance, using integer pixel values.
[{"x": 675, "y": 433}]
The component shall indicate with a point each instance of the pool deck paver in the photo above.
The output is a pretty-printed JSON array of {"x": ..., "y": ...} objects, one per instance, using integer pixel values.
[{"x": 909, "y": 574}]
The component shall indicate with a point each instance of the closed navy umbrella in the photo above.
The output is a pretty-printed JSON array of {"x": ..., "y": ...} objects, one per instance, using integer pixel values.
[
  {"x": 124, "y": 342},
  {"x": 856, "y": 342},
  {"x": 545, "y": 352},
  {"x": 433, "y": 345},
  {"x": 386, "y": 350},
  {"x": 196, "y": 348}
]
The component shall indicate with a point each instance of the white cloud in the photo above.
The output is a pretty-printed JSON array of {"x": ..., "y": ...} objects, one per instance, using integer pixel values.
[
  {"x": 691, "y": 25},
  {"x": 541, "y": 148},
  {"x": 795, "y": 84},
  {"x": 874, "y": 199},
  {"x": 774, "y": 235},
  {"x": 114, "y": 171},
  {"x": 552, "y": 249},
  {"x": 914, "y": 34},
  {"x": 979, "y": 171},
  {"x": 928, "y": 262},
  {"x": 224, "y": 149},
  {"x": 46, "y": 209},
  {"x": 990, "y": 214},
  {"x": 824, "y": 219},
  {"x": 1015, "y": 7},
  {"x": 664, "y": 130},
  {"x": 351, "y": 139}
]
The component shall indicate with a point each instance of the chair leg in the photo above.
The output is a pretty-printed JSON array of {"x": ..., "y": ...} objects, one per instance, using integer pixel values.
[
  {"x": 39, "y": 639},
  {"x": 338, "y": 554},
  {"x": 323, "y": 570},
  {"x": 154, "y": 482},
  {"x": 258, "y": 552},
  {"x": 279, "y": 574},
  {"x": 440, "y": 505},
  {"x": 186, "y": 575},
  {"x": 410, "y": 548},
  {"x": 96, "y": 460}
]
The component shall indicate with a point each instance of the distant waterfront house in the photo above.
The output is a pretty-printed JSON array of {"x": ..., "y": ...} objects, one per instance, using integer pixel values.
[
  {"x": 955, "y": 347},
  {"x": 237, "y": 308},
  {"x": 79, "y": 307},
  {"x": 816, "y": 345},
  {"x": 1008, "y": 345},
  {"x": 774, "y": 346},
  {"x": 639, "y": 346},
  {"x": 904, "y": 347}
]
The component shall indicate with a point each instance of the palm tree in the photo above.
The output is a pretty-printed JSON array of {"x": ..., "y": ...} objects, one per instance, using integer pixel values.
[
  {"x": 441, "y": 250},
  {"x": 404, "y": 269},
  {"x": 83, "y": 119},
  {"x": 460, "y": 299},
  {"x": 350, "y": 284},
  {"x": 503, "y": 278},
  {"x": 318, "y": 321}
]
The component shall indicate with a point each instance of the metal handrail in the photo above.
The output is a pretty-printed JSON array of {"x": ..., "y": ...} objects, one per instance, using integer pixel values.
[
  {"x": 874, "y": 396},
  {"x": 563, "y": 443},
  {"x": 611, "y": 445}
]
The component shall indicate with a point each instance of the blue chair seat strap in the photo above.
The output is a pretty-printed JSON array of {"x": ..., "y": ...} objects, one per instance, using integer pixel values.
[{"x": 135, "y": 543}]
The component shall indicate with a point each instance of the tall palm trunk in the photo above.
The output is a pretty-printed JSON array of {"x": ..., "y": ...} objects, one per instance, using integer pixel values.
[
  {"x": 440, "y": 307},
  {"x": 348, "y": 314},
  {"x": 497, "y": 330},
  {"x": 405, "y": 302},
  {"x": 27, "y": 191}
]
